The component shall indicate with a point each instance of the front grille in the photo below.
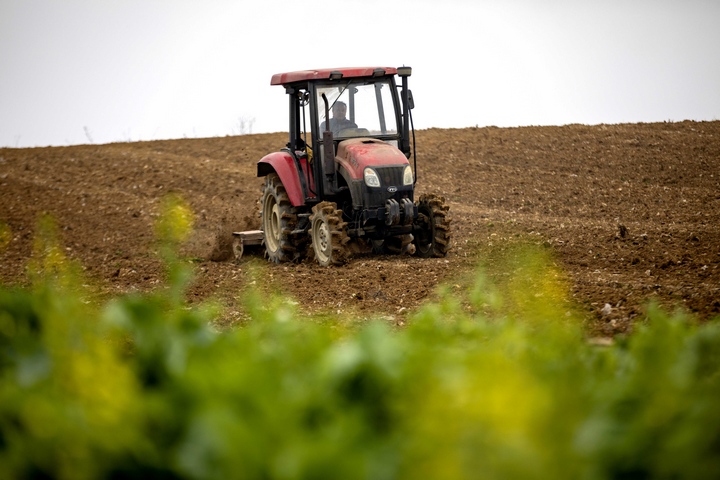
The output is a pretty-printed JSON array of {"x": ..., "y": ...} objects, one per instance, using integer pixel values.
[{"x": 390, "y": 176}]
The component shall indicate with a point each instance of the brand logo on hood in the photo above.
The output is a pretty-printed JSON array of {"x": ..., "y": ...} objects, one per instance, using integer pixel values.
[{"x": 392, "y": 189}]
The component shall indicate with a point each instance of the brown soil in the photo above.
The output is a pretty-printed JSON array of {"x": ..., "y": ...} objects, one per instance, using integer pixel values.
[{"x": 631, "y": 212}]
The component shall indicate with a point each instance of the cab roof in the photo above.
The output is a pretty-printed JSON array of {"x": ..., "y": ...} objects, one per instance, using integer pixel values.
[{"x": 325, "y": 73}]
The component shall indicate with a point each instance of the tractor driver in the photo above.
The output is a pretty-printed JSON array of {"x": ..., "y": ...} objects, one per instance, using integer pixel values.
[{"x": 338, "y": 122}]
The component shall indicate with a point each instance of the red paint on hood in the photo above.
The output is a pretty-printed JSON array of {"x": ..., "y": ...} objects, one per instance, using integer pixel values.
[{"x": 357, "y": 153}]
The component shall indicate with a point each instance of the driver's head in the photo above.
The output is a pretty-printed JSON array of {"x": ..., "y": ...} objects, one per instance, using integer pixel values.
[{"x": 339, "y": 110}]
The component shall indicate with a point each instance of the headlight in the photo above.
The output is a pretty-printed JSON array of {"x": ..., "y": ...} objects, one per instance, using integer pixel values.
[
  {"x": 371, "y": 177},
  {"x": 407, "y": 176}
]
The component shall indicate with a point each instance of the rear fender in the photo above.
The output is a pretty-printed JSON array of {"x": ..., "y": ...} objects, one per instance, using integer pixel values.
[{"x": 283, "y": 164}]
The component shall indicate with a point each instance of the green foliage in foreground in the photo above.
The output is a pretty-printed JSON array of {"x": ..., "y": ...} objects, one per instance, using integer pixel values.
[{"x": 143, "y": 386}]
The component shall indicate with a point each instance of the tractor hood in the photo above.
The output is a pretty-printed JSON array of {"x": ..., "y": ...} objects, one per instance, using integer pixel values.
[{"x": 357, "y": 153}]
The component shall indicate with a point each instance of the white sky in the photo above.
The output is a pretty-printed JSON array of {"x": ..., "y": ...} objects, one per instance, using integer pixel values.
[{"x": 76, "y": 71}]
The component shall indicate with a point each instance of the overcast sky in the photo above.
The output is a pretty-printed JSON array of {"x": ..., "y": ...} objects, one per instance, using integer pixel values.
[{"x": 92, "y": 71}]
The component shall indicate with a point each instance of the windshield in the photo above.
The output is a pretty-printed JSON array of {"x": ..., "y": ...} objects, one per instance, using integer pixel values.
[{"x": 358, "y": 109}]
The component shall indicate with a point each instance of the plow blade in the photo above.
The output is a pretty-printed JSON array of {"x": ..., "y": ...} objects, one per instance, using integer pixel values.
[{"x": 248, "y": 238}]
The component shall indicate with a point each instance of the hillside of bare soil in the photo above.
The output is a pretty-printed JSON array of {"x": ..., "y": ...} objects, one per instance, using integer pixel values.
[{"x": 630, "y": 212}]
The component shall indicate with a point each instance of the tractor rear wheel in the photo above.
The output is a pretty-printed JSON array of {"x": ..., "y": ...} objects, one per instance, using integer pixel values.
[
  {"x": 432, "y": 239},
  {"x": 329, "y": 234},
  {"x": 279, "y": 219}
]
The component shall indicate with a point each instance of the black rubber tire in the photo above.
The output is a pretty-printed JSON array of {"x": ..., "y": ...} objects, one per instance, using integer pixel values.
[
  {"x": 432, "y": 239},
  {"x": 329, "y": 235},
  {"x": 279, "y": 219}
]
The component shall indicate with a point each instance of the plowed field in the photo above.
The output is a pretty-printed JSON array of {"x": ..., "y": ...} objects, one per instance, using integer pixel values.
[{"x": 630, "y": 212}]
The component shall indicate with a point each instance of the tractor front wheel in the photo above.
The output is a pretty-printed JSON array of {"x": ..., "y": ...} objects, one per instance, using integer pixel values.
[
  {"x": 329, "y": 234},
  {"x": 279, "y": 219},
  {"x": 432, "y": 238}
]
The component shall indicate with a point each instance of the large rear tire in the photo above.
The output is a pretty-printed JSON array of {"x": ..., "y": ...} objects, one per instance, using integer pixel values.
[
  {"x": 432, "y": 239},
  {"x": 279, "y": 219},
  {"x": 329, "y": 235}
]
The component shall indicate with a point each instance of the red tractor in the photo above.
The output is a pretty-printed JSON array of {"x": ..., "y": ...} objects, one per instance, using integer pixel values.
[{"x": 344, "y": 183}]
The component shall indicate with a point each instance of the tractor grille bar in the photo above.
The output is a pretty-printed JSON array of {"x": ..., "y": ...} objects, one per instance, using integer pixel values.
[{"x": 390, "y": 176}]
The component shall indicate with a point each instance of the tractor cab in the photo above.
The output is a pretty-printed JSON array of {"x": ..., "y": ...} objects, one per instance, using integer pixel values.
[{"x": 345, "y": 173}]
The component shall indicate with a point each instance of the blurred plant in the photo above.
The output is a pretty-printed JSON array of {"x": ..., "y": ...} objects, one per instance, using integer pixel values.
[
  {"x": 495, "y": 381},
  {"x": 68, "y": 404},
  {"x": 172, "y": 228}
]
